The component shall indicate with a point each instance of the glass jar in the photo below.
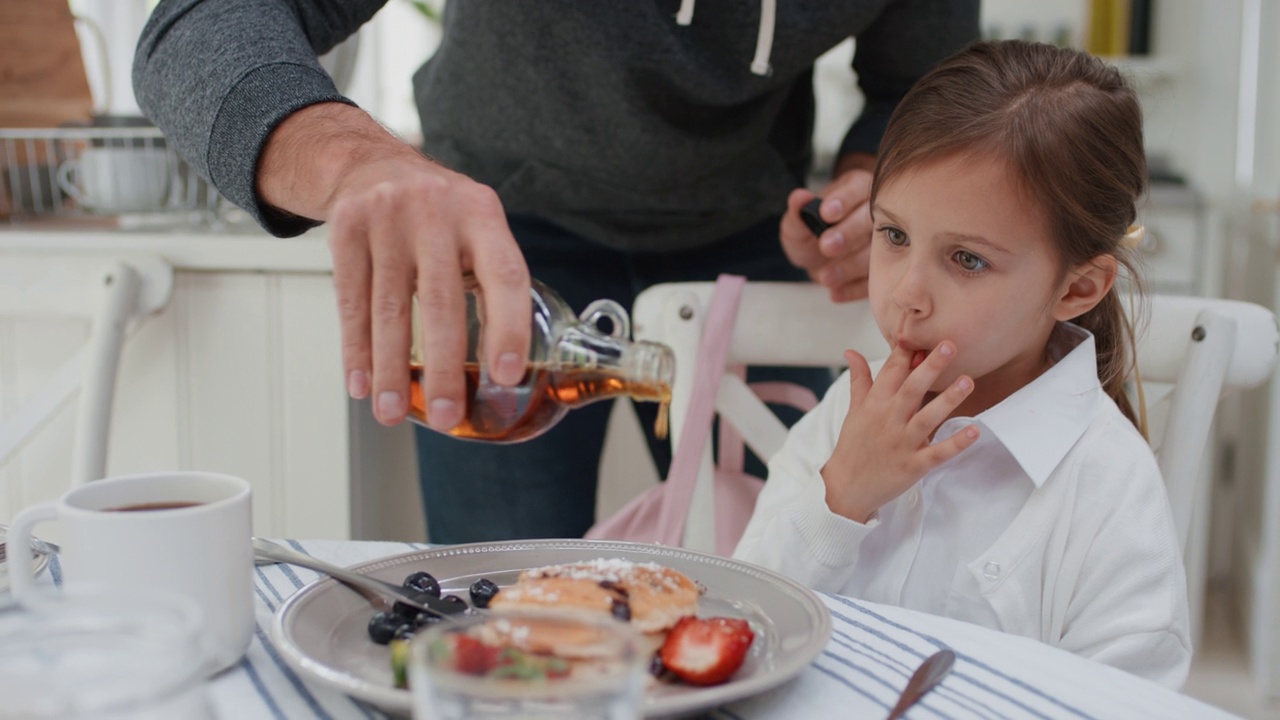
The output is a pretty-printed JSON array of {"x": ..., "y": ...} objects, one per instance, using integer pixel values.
[
  {"x": 97, "y": 654},
  {"x": 572, "y": 362}
]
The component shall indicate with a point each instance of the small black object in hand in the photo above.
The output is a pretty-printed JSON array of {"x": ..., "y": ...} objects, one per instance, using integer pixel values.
[{"x": 812, "y": 218}]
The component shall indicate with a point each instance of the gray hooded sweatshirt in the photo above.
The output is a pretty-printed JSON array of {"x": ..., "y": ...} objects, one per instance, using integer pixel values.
[{"x": 645, "y": 125}]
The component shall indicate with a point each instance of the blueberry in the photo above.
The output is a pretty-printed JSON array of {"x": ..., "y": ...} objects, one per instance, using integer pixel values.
[
  {"x": 405, "y": 611},
  {"x": 658, "y": 669},
  {"x": 384, "y": 627},
  {"x": 455, "y": 600},
  {"x": 482, "y": 591},
  {"x": 621, "y": 610},
  {"x": 423, "y": 582}
]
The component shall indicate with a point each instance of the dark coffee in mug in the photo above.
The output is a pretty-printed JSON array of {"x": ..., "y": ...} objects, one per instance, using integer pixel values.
[{"x": 153, "y": 506}]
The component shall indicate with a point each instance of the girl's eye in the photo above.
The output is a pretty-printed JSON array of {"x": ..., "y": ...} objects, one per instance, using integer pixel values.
[
  {"x": 894, "y": 236},
  {"x": 970, "y": 262}
]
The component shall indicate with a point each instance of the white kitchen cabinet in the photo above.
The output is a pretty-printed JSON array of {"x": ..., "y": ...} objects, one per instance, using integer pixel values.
[
  {"x": 239, "y": 373},
  {"x": 1176, "y": 252}
]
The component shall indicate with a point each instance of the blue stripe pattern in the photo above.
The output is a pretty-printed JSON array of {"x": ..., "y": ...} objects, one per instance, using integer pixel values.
[
  {"x": 291, "y": 575},
  {"x": 963, "y": 660}
]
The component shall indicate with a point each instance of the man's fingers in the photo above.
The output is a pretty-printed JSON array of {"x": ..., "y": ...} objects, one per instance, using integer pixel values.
[
  {"x": 855, "y": 230},
  {"x": 500, "y": 269},
  {"x": 442, "y": 305},
  {"x": 846, "y": 277},
  {"x": 798, "y": 242},
  {"x": 846, "y": 207},
  {"x": 390, "y": 309},
  {"x": 348, "y": 245}
]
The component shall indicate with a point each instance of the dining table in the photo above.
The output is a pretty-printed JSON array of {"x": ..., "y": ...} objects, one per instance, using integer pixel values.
[{"x": 872, "y": 651}]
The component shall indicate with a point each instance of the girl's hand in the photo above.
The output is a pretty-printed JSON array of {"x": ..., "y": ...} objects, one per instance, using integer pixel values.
[{"x": 883, "y": 448}]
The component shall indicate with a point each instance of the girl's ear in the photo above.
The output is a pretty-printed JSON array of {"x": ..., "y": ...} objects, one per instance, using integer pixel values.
[{"x": 1085, "y": 286}]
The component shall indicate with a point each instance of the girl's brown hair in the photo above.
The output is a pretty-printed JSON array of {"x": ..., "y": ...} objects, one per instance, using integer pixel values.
[{"x": 1070, "y": 127}]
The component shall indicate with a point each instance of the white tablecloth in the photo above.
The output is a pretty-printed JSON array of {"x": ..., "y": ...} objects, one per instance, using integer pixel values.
[{"x": 873, "y": 650}]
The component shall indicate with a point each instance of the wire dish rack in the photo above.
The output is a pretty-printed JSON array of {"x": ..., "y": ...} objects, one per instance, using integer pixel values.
[{"x": 97, "y": 172}]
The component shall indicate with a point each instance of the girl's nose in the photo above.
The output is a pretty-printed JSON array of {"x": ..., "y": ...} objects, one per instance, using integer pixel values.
[{"x": 911, "y": 292}]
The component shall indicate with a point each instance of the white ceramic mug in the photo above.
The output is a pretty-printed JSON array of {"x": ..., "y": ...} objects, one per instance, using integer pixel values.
[
  {"x": 183, "y": 531},
  {"x": 118, "y": 179}
]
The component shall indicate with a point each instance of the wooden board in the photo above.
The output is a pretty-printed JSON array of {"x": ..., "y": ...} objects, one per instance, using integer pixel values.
[{"x": 42, "y": 75}]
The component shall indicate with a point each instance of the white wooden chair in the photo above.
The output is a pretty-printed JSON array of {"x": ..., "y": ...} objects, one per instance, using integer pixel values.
[
  {"x": 1192, "y": 350},
  {"x": 105, "y": 293}
]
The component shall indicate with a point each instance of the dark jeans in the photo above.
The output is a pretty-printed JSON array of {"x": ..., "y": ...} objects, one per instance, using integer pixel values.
[{"x": 546, "y": 487}]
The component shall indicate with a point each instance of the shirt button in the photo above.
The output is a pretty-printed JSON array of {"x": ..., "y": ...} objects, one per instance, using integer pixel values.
[
  {"x": 991, "y": 570},
  {"x": 913, "y": 497}
]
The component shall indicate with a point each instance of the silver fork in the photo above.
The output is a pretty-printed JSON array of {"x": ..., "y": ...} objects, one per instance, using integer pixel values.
[
  {"x": 41, "y": 546},
  {"x": 364, "y": 584}
]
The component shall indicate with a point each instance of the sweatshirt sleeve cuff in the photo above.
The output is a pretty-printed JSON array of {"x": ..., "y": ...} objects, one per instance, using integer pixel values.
[
  {"x": 869, "y": 128},
  {"x": 830, "y": 538},
  {"x": 248, "y": 114}
]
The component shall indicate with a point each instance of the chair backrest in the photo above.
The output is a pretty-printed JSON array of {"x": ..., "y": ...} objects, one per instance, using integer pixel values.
[
  {"x": 105, "y": 292},
  {"x": 1191, "y": 351}
]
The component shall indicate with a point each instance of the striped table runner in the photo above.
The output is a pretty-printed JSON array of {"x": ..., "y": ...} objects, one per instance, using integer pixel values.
[{"x": 873, "y": 650}]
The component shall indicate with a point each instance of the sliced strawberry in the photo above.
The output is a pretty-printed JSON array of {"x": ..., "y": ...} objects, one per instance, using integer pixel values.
[
  {"x": 706, "y": 651},
  {"x": 472, "y": 656}
]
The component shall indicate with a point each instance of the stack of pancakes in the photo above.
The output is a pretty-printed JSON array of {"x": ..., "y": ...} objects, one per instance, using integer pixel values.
[{"x": 651, "y": 597}]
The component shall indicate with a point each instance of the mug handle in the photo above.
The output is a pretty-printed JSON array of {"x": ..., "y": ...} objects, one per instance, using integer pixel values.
[
  {"x": 18, "y": 547},
  {"x": 65, "y": 183}
]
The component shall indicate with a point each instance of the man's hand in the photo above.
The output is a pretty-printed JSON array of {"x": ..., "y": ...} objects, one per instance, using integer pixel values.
[
  {"x": 884, "y": 444},
  {"x": 401, "y": 225},
  {"x": 839, "y": 258}
]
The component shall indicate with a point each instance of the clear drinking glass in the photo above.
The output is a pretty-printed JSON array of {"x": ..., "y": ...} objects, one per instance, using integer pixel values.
[
  {"x": 96, "y": 654},
  {"x": 530, "y": 665}
]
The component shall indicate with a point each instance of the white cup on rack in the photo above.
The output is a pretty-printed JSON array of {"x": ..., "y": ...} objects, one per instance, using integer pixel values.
[
  {"x": 183, "y": 531},
  {"x": 118, "y": 178}
]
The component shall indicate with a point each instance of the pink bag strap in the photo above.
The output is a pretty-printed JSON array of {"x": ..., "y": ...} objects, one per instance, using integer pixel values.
[
  {"x": 717, "y": 332},
  {"x": 731, "y": 451}
]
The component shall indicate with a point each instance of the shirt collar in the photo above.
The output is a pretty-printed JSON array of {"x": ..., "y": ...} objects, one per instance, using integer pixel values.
[{"x": 1039, "y": 423}]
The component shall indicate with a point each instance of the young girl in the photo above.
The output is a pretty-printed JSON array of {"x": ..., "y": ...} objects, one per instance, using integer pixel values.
[{"x": 991, "y": 471}]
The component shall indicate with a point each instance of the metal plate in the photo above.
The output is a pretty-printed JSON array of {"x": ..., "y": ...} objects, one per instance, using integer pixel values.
[{"x": 322, "y": 629}]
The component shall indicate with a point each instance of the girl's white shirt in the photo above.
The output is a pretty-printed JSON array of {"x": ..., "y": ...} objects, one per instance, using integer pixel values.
[{"x": 1054, "y": 525}]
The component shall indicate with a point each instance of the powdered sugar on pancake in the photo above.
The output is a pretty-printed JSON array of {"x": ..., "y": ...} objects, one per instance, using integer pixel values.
[
  {"x": 598, "y": 570},
  {"x": 655, "y": 597}
]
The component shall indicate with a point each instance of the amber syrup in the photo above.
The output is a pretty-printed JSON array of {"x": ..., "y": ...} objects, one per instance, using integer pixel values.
[{"x": 537, "y": 402}]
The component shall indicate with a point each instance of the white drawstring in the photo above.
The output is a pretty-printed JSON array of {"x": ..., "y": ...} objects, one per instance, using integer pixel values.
[
  {"x": 764, "y": 40},
  {"x": 684, "y": 15}
]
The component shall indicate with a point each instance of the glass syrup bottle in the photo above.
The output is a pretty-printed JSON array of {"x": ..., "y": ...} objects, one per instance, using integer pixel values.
[{"x": 572, "y": 362}]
